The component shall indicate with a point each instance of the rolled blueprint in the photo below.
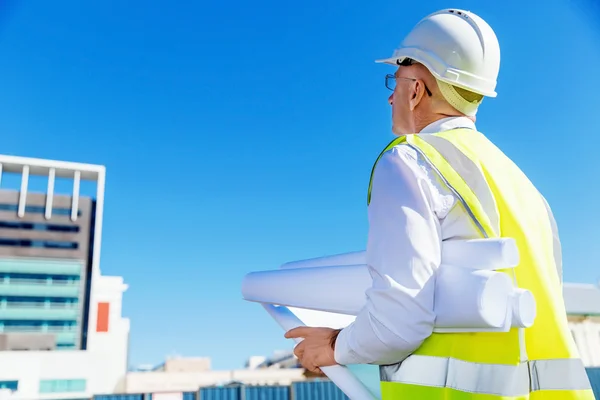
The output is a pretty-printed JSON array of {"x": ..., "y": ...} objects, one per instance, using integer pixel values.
[
  {"x": 333, "y": 289},
  {"x": 524, "y": 308},
  {"x": 467, "y": 298},
  {"x": 339, "y": 375},
  {"x": 352, "y": 258},
  {"x": 488, "y": 254},
  {"x": 316, "y": 318}
]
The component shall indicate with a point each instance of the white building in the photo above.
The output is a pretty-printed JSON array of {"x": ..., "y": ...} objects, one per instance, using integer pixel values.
[
  {"x": 583, "y": 309},
  {"x": 62, "y": 335}
]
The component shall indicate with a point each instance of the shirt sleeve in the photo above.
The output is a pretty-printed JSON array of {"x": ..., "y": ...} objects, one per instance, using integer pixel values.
[{"x": 403, "y": 254}]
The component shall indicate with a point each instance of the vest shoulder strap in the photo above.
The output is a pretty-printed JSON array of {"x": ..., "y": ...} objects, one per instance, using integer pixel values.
[{"x": 461, "y": 174}]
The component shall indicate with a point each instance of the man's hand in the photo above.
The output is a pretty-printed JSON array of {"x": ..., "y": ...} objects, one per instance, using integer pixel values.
[{"x": 317, "y": 348}]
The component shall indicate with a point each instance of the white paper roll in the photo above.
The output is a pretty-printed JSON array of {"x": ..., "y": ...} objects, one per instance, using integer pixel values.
[
  {"x": 466, "y": 298},
  {"x": 345, "y": 259},
  {"x": 524, "y": 308},
  {"x": 333, "y": 289},
  {"x": 316, "y": 318},
  {"x": 489, "y": 254}
]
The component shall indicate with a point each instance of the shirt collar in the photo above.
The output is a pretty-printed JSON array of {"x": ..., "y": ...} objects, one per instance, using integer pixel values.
[{"x": 446, "y": 124}]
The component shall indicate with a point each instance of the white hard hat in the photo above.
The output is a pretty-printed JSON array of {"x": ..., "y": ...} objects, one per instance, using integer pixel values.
[{"x": 457, "y": 46}]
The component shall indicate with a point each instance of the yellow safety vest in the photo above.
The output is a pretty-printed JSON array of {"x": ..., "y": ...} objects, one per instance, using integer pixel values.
[{"x": 540, "y": 362}]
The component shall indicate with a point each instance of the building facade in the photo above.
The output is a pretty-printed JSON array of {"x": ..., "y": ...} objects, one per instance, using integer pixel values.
[
  {"x": 181, "y": 375},
  {"x": 583, "y": 311},
  {"x": 61, "y": 330}
]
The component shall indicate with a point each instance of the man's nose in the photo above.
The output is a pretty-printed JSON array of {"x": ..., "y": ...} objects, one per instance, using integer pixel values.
[{"x": 391, "y": 99}]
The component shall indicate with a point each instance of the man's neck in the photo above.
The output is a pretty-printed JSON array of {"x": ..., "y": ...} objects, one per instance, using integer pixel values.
[{"x": 421, "y": 123}]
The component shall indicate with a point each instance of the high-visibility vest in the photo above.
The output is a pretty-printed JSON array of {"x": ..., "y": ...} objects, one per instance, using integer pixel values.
[{"x": 540, "y": 362}]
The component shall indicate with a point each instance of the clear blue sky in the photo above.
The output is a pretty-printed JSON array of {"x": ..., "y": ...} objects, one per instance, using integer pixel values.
[{"x": 240, "y": 135}]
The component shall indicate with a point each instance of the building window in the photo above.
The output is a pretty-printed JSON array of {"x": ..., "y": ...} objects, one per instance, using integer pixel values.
[
  {"x": 62, "y": 385},
  {"x": 102, "y": 321},
  {"x": 38, "y": 226},
  {"x": 37, "y": 209},
  {"x": 11, "y": 385},
  {"x": 48, "y": 244}
]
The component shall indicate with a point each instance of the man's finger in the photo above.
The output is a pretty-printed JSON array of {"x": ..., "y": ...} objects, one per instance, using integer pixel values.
[
  {"x": 299, "y": 350},
  {"x": 313, "y": 368},
  {"x": 301, "y": 331},
  {"x": 308, "y": 365}
]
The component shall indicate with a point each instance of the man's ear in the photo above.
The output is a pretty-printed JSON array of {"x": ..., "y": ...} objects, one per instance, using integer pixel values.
[
  {"x": 414, "y": 94},
  {"x": 417, "y": 92}
]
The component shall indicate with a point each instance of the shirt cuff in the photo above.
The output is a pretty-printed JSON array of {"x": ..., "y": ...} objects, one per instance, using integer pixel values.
[{"x": 343, "y": 353}]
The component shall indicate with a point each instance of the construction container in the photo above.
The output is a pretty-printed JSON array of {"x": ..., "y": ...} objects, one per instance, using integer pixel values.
[
  {"x": 190, "y": 396},
  {"x": 220, "y": 393},
  {"x": 184, "y": 396},
  {"x": 136, "y": 396},
  {"x": 266, "y": 393},
  {"x": 317, "y": 390}
]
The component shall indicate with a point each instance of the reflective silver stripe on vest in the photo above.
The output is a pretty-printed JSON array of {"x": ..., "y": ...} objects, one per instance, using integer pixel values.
[
  {"x": 470, "y": 173},
  {"x": 556, "y": 248},
  {"x": 559, "y": 374},
  {"x": 494, "y": 379}
]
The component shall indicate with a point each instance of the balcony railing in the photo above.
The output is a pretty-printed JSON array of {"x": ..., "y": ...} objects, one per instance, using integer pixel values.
[{"x": 17, "y": 287}]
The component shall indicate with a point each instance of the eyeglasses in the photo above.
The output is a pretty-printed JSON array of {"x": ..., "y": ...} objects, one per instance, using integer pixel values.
[{"x": 390, "y": 82}]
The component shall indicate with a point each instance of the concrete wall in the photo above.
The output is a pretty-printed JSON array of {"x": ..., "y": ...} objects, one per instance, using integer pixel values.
[{"x": 111, "y": 348}]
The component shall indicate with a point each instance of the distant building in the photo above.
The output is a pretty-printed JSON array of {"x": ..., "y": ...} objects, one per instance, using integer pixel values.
[
  {"x": 583, "y": 310},
  {"x": 255, "y": 361},
  {"x": 61, "y": 331},
  {"x": 184, "y": 364},
  {"x": 279, "y": 360},
  {"x": 189, "y": 374}
]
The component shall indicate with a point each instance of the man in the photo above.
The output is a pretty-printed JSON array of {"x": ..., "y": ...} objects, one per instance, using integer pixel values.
[{"x": 441, "y": 179}]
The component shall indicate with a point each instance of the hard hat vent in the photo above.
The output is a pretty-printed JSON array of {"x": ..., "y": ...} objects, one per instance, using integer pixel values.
[{"x": 462, "y": 14}]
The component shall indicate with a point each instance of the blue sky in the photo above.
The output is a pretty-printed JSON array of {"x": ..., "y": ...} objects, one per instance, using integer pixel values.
[{"x": 240, "y": 135}]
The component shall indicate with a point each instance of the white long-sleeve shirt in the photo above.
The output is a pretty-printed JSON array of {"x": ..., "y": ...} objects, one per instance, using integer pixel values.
[{"x": 410, "y": 213}]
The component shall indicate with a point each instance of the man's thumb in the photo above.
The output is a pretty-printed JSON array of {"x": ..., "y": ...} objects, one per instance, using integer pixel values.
[{"x": 296, "y": 332}]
